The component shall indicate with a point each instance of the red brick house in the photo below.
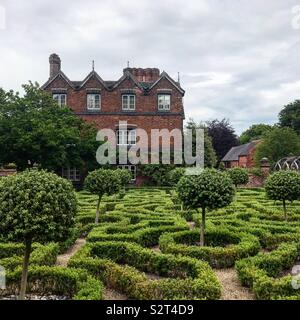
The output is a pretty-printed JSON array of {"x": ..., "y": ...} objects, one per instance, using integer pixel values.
[
  {"x": 145, "y": 98},
  {"x": 241, "y": 156}
]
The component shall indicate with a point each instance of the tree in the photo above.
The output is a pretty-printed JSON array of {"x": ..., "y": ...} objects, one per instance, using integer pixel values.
[
  {"x": 175, "y": 175},
  {"x": 101, "y": 182},
  {"x": 210, "y": 158},
  {"x": 35, "y": 206},
  {"x": 35, "y": 129},
  {"x": 277, "y": 144},
  {"x": 255, "y": 132},
  {"x": 125, "y": 177},
  {"x": 283, "y": 186},
  {"x": 238, "y": 176},
  {"x": 157, "y": 173},
  {"x": 289, "y": 116},
  {"x": 223, "y": 137},
  {"x": 210, "y": 189}
]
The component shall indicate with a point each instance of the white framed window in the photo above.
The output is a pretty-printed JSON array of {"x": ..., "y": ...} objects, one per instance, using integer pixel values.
[
  {"x": 93, "y": 101},
  {"x": 164, "y": 102},
  {"x": 128, "y": 102},
  {"x": 126, "y": 137},
  {"x": 72, "y": 174},
  {"x": 60, "y": 98},
  {"x": 131, "y": 168}
]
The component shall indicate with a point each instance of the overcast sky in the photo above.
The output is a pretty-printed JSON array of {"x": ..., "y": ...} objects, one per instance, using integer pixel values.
[{"x": 238, "y": 59}]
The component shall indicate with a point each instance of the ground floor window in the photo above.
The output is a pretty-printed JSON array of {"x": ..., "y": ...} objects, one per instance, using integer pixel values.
[
  {"x": 131, "y": 168},
  {"x": 72, "y": 174}
]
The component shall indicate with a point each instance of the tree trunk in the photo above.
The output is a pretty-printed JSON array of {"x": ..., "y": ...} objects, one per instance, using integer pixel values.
[
  {"x": 98, "y": 211},
  {"x": 284, "y": 210},
  {"x": 202, "y": 230},
  {"x": 25, "y": 269}
]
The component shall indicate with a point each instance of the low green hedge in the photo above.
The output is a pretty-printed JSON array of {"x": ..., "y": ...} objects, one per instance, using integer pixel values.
[
  {"x": 43, "y": 280},
  {"x": 186, "y": 277},
  {"x": 262, "y": 272},
  {"x": 223, "y": 246}
]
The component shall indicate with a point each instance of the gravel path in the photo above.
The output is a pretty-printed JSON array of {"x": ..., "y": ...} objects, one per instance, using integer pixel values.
[
  {"x": 231, "y": 287},
  {"x": 110, "y": 294},
  {"x": 63, "y": 259}
]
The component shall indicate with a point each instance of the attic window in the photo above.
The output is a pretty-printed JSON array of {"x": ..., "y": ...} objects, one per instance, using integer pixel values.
[
  {"x": 60, "y": 98},
  {"x": 128, "y": 102},
  {"x": 164, "y": 102},
  {"x": 93, "y": 101}
]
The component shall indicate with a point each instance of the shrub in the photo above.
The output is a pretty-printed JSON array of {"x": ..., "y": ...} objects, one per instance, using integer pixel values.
[
  {"x": 283, "y": 186},
  {"x": 36, "y": 206},
  {"x": 238, "y": 176},
  {"x": 208, "y": 190},
  {"x": 101, "y": 182},
  {"x": 175, "y": 175}
]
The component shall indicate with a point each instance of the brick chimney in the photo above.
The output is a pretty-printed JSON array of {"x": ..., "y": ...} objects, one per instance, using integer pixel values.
[
  {"x": 144, "y": 75},
  {"x": 55, "y": 64}
]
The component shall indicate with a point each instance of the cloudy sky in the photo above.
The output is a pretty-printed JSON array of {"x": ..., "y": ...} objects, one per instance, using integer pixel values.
[{"x": 238, "y": 59}]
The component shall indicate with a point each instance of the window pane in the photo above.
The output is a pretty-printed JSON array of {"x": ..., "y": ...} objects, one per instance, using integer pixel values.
[{"x": 62, "y": 99}]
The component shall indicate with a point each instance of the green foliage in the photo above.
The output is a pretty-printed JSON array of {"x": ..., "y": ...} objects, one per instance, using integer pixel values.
[
  {"x": 158, "y": 173},
  {"x": 277, "y": 143},
  {"x": 175, "y": 175},
  {"x": 238, "y": 176},
  {"x": 34, "y": 129},
  {"x": 124, "y": 175},
  {"x": 289, "y": 116},
  {"x": 36, "y": 205},
  {"x": 255, "y": 132},
  {"x": 283, "y": 186},
  {"x": 210, "y": 189},
  {"x": 103, "y": 181}
]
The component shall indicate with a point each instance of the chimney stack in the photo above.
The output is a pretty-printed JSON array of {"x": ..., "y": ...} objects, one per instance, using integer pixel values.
[
  {"x": 55, "y": 64},
  {"x": 144, "y": 75}
]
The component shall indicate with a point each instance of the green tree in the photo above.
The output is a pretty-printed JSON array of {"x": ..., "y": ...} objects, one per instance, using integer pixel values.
[
  {"x": 223, "y": 137},
  {"x": 277, "y": 144},
  {"x": 35, "y": 206},
  {"x": 289, "y": 116},
  {"x": 175, "y": 175},
  {"x": 283, "y": 186},
  {"x": 238, "y": 176},
  {"x": 210, "y": 158},
  {"x": 101, "y": 182},
  {"x": 255, "y": 132},
  {"x": 158, "y": 173},
  {"x": 34, "y": 129},
  {"x": 210, "y": 189}
]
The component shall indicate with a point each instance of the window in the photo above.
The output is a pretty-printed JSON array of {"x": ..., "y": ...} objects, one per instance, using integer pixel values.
[
  {"x": 60, "y": 98},
  {"x": 131, "y": 168},
  {"x": 126, "y": 137},
  {"x": 93, "y": 101},
  {"x": 72, "y": 174},
  {"x": 128, "y": 102},
  {"x": 164, "y": 102}
]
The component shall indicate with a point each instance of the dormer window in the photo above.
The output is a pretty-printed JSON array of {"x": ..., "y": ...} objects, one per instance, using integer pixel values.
[
  {"x": 164, "y": 102},
  {"x": 93, "y": 101},
  {"x": 60, "y": 98},
  {"x": 128, "y": 102}
]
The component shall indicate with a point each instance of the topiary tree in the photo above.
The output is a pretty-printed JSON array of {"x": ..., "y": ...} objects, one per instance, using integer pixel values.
[
  {"x": 125, "y": 176},
  {"x": 175, "y": 175},
  {"x": 210, "y": 189},
  {"x": 35, "y": 206},
  {"x": 283, "y": 186},
  {"x": 238, "y": 176},
  {"x": 101, "y": 182}
]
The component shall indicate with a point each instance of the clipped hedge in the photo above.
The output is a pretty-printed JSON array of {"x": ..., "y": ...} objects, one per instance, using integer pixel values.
[
  {"x": 223, "y": 248},
  {"x": 186, "y": 277},
  {"x": 262, "y": 273},
  {"x": 44, "y": 280}
]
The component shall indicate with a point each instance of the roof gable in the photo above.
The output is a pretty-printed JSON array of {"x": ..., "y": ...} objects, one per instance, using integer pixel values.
[
  {"x": 59, "y": 75},
  {"x": 164, "y": 75},
  {"x": 235, "y": 152}
]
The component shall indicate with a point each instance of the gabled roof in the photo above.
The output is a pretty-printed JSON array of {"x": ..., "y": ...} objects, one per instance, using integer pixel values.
[
  {"x": 91, "y": 75},
  {"x": 60, "y": 74},
  {"x": 235, "y": 152},
  {"x": 164, "y": 75},
  {"x": 127, "y": 75}
]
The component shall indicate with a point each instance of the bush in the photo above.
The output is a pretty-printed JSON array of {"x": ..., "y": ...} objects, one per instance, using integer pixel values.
[
  {"x": 283, "y": 186},
  {"x": 175, "y": 175},
  {"x": 36, "y": 206},
  {"x": 238, "y": 176}
]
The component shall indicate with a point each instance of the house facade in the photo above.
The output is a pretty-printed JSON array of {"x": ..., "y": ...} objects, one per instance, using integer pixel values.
[
  {"x": 241, "y": 156},
  {"x": 144, "y": 98}
]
